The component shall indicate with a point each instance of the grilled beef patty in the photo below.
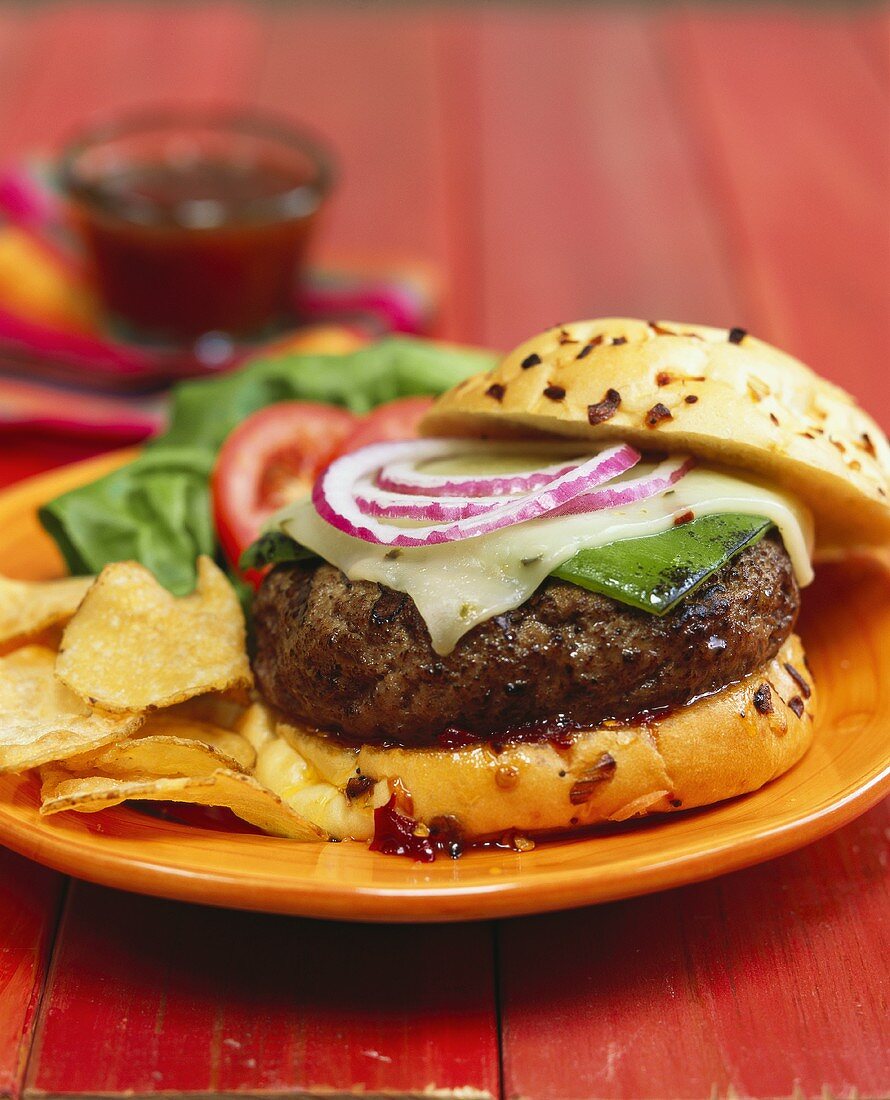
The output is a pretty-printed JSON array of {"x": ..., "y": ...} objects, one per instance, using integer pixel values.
[{"x": 355, "y": 657}]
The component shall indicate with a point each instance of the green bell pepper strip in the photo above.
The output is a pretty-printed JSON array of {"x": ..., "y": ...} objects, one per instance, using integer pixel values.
[
  {"x": 655, "y": 572},
  {"x": 652, "y": 573}
]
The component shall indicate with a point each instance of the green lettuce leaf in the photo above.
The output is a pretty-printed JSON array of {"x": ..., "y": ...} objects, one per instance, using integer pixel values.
[
  {"x": 655, "y": 572},
  {"x": 156, "y": 509},
  {"x": 203, "y": 412}
]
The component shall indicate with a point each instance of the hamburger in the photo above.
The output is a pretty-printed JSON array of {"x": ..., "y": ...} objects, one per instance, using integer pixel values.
[{"x": 573, "y": 600}]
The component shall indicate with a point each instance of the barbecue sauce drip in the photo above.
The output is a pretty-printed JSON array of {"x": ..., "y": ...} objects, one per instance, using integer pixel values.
[
  {"x": 558, "y": 733},
  {"x": 395, "y": 834}
]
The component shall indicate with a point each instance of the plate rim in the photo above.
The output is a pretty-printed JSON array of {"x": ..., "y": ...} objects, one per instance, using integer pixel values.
[
  {"x": 502, "y": 899},
  {"x": 550, "y": 890}
]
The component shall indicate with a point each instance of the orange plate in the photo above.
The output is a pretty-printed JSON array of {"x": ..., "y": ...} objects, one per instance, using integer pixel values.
[{"x": 846, "y": 629}]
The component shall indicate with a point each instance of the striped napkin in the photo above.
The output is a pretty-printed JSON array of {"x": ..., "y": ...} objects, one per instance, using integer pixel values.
[{"x": 61, "y": 369}]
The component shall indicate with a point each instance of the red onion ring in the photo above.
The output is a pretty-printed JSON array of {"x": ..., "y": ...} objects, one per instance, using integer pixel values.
[
  {"x": 661, "y": 479},
  {"x": 334, "y": 493},
  {"x": 404, "y": 477},
  {"x": 372, "y": 501}
]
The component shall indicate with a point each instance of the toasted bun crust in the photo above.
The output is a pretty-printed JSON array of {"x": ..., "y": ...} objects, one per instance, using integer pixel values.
[
  {"x": 756, "y": 409},
  {"x": 719, "y": 747}
]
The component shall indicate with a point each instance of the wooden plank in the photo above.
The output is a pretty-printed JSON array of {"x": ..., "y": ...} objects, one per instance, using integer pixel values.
[
  {"x": 80, "y": 60},
  {"x": 870, "y": 28},
  {"x": 768, "y": 982},
  {"x": 367, "y": 80},
  {"x": 11, "y": 34},
  {"x": 589, "y": 201},
  {"x": 29, "y": 900},
  {"x": 799, "y": 160},
  {"x": 15, "y": 33},
  {"x": 155, "y": 997},
  {"x": 462, "y": 161}
]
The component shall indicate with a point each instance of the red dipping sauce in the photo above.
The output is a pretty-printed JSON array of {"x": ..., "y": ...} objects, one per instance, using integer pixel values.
[{"x": 197, "y": 224}]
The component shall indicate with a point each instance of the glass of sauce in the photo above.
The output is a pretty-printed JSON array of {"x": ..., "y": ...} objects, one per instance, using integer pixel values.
[{"x": 196, "y": 223}]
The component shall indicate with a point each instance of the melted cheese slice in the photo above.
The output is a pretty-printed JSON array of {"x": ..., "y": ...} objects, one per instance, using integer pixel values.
[{"x": 457, "y": 585}]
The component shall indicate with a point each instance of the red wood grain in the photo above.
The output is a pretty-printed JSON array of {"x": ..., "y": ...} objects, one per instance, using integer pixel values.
[
  {"x": 29, "y": 899},
  {"x": 368, "y": 80},
  {"x": 871, "y": 32},
  {"x": 462, "y": 160},
  {"x": 589, "y": 203},
  {"x": 153, "y": 996},
  {"x": 794, "y": 140},
  {"x": 75, "y": 61},
  {"x": 752, "y": 985}
]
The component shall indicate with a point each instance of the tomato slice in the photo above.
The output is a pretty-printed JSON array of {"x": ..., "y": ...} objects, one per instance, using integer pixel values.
[
  {"x": 271, "y": 458},
  {"x": 395, "y": 420}
]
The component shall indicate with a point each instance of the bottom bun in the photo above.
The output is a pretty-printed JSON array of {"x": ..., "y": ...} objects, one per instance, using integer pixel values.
[{"x": 720, "y": 746}]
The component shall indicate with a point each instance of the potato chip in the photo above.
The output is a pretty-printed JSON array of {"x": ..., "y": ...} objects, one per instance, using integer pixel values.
[
  {"x": 133, "y": 646},
  {"x": 240, "y": 793},
  {"x": 228, "y": 742},
  {"x": 41, "y": 720},
  {"x": 27, "y": 608},
  {"x": 153, "y": 756},
  {"x": 219, "y": 710},
  {"x": 62, "y": 790}
]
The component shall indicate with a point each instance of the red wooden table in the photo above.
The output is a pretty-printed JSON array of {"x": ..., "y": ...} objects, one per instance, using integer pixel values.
[{"x": 724, "y": 165}]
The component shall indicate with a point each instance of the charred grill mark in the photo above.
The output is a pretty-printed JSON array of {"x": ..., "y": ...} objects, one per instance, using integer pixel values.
[
  {"x": 388, "y": 607},
  {"x": 583, "y": 788},
  {"x": 763, "y": 700},
  {"x": 805, "y": 689}
]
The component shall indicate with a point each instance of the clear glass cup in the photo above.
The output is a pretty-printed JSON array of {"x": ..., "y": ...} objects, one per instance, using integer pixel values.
[{"x": 196, "y": 222}]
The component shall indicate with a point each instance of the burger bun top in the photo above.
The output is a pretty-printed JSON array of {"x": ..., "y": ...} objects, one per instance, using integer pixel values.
[{"x": 722, "y": 395}]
